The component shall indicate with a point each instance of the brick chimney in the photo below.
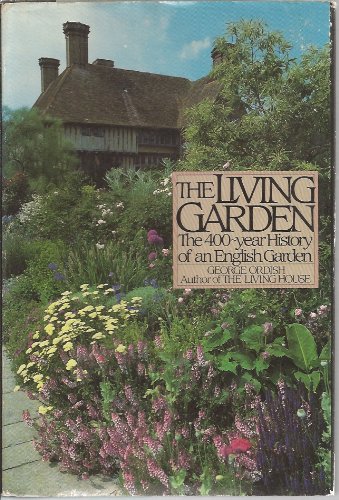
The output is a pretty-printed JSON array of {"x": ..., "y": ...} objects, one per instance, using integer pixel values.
[
  {"x": 76, "y": 43},
  {"x": 49, "y": 71},
  {"x": 217, "y": 57}
]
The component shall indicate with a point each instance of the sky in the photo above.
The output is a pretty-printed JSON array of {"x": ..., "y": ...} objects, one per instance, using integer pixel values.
[{"x": 167, "y": 37}]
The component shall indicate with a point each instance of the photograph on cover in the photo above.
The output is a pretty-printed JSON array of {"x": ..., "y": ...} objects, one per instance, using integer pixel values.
[{"x": 167, "y": 248}]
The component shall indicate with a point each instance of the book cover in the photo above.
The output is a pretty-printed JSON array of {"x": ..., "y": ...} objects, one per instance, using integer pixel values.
[{"x": 168, "y": 229}]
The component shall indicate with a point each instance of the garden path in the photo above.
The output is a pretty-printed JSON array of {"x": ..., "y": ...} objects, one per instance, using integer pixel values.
[{"x": 23, "y": 471}]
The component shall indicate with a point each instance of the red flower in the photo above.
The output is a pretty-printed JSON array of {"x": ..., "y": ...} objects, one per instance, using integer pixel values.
[{"x": 238, "y": 445}]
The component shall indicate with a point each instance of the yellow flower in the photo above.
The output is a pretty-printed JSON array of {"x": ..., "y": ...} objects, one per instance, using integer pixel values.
[
  {"x": 38, "y": 377},
  {"x": 49, "y": 329},
  {"x": 136, "y": 299},
  {"x": 99, "y": 308},
  {"x": 30, "y": 364},
  {"x": 121, "y": 348},
  {"x": 36, "y": 335},
  {"x": 88, "y": 308},
  {"x": 45, "y": 343},
  {"x": 69, "y": 315},
  {"x": 44, "y": 409},
  {"x": 85, "y": 285},
  {"x": 64, "y": 294},
  {"x": 110, "y": 327},
  {"x": 71, "y": 364},
  {"x": 20, "y": 369},
  {"x": 29, "y": 350},
  {"x": 84, "y": 294},
  {"x": 93, "y": 315},
  {"x": 95, "y": 293},
  {"x": 52, "y": 350},
  {"x": 46, "y": 318},
  {"x": 68, "y": 346},
  {"x": 101, "y": 286},
  {"x": 57, "y": 340},
  {"x": 54, "y": 318},
  {"x": 98, "y": 336},
  {"x": 16, "y": 388}
]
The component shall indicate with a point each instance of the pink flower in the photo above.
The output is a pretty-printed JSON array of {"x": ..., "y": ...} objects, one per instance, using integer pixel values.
[
  {"x": 268, "y": 327},
  {"x": 187, "y": 291},
  {"x": 165, "y": 252},
  {"x": 151, "y": 232},
  {"x": 151, "y": 265},
  {"x": 265, "y": 355},
  {"x": 152, "y": 255},
  {"x": 298, "y": 312},
  {"x": 313, "y": 315}
]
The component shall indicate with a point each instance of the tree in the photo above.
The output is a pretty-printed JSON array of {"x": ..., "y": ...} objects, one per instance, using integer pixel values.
[
  {"x": 34, "y": 146},
  {"x": 272, "y": 111}
]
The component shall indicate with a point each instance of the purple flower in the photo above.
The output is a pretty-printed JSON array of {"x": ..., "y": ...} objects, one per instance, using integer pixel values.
[
  {"x": 152, "y": 255},
  {"x": 59, "y": 276},
  {"x": 52, "y": 266}
]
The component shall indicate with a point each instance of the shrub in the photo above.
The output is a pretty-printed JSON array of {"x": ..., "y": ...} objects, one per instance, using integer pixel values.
[
  {"x": 42, "y": 279},
  {"x": 17, "y": 252},
  {"x": 15, "y": 192}
]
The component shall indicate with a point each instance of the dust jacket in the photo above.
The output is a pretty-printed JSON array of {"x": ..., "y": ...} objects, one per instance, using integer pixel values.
[{"x": 168, "y": 228}]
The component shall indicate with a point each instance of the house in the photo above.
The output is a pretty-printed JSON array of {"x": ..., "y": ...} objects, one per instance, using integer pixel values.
[{"x": 116, "y": 117}]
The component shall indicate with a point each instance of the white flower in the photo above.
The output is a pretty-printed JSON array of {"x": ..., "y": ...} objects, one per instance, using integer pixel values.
[
  {"x": 99, "y": 246},
  {"x": 120, "y": 205},
  {"x": 101, "y": 221}
]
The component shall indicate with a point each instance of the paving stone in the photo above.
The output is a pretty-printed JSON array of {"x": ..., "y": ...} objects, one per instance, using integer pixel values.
[
  {"x": 19, "y": 454},
  {"x": 8, "y": 384},
  {"x": 42, "y": 479},
  {"x": 16, "y": 433},
  {"x": 13, "y": 405}
]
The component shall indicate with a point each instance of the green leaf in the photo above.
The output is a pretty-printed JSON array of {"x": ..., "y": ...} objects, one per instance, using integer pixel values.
[
  {"x": 302, "y": 348},
  {"x": 260, "y": 365},
  {"x": 310, "y": 380},
  {"x": 325, "y": 354},
  {"x": 248, "y": 379},
  {"x": 246, "y": 360},
  {"x": 206, "y": 482},
  {"x": 277, "y": 351},
  {"x": 326, "y": 407},
  {"x": 253, "y": 337},
  {"x": 217, "y": 339},
  {"x": 225, "y": 365},
  {"x": 178, "y": 480}
]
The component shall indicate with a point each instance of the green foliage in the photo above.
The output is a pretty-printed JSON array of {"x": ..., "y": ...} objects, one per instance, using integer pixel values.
[
  {"x": 34, "y": 145},
  {"x": 302, "y": 348},
  {"x": 264, "y": 116},
  {"x": 145, "y": 203},
  {"x": 121, "y": 264},
  {"x": 153, "y": 300},
  {"x": 38, "y": 282},
  {"x": 17, "y": 252},
  {"x": 20, "y": 318},
  {"x": 15, "y": 192}
]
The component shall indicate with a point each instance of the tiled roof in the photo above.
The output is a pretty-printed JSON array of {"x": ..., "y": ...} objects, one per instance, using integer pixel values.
[{"x": 98, "y": 94}]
